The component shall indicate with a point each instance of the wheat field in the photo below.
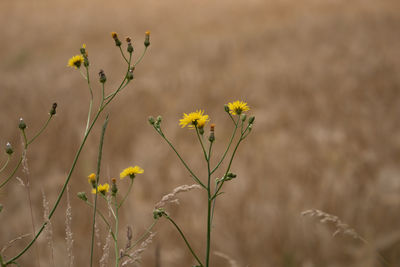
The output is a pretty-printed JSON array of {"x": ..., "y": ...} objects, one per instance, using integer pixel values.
[{"x": 321, "y": 77}]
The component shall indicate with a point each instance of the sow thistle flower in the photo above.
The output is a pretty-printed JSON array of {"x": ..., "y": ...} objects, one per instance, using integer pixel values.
[
  {"x": 237, "y": 107},
  {"x": 92, "y": 179},
  {"x": 103, "y": 189},
  {"x": 131, "y": 172},
  {"x": 75, "y": 61},
  {"x": 194, "y": 119}
]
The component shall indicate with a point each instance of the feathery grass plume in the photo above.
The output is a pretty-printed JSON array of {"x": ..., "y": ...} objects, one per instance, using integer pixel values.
[
  {"x": 49, "y": 227},
  {"x": 106, "y": 251},
  {"x": 97, "y": 234},
  {"x": 231, "y": 261},
  {"x": 68, "y": 232},
  {"x": 341, "y": 228},
  {"x": 136, "y": 255},
  {"x": 171, "y": 197}
]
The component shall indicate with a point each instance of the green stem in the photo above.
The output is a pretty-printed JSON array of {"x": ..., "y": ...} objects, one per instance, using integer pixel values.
[
  {"x": 183, "y": 162},
  {"x": 104, "y": 219},
  {"x": 141, "y": 57},
  {"x": 229, "y": 145},
  {"x": 91, "y": 99},
  {"x": 6, "y": 163},
  {"x": 127, "y": 193},
  {"x": 209, "y": 204},
  {"x": 97, "y": 183},
  {"x": 201, "y": 142},
  {"x": 25, "y": 139},
  {"x": 41, "y": 130},
  {"x": 13, "y": 172},
  {"x": 184, "y": 238},
  {"x": 122, "y": 53}
]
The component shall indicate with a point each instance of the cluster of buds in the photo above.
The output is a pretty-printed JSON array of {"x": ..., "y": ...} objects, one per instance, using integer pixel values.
[
  {"x": 130, "y": 47},
  {"x": 115, "y": 37},
  {"x": 85, "y": 55},
  {"x": 155, "y": 122},
  {"x": 158, "y": 213},
  {"x": 229, "y": 176}
]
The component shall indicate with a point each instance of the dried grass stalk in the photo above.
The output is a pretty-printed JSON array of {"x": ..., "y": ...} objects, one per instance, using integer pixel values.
[
  {"x": 171, "y": 197},
  {"x": 231, "y": 261},
  {"x": 48, "y": 231},
  {"x": 68, "y": 232},
  {"x": 136, "y": 255}
]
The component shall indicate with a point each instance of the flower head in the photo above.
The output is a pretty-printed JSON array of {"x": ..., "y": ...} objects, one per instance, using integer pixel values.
[
  {"x": 75, "y": 61},
  {"x": 92, "y": 178},
  {"x": 131, "y": 172},
  {"x": 237, "y": 107},
  {"x": 194, "y": 119},
  {"x": 102, "y": 188}
]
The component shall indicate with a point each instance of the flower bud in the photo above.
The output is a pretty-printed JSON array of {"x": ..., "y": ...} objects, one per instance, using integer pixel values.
[
  {"x": 159, "y": 119},
  {"x": 229, "y": 176},
  {"x": 115, "y": 37},
  {"x": 114, "y": 188},
  {"x": 102, "y": 76},
  {"x": 226, "y": 108},
  {"x": 53, "y": 109},
  {"x": 151, "y": 120},
  {"x": 9, "y": 149},
  {"x": 129, "y": 75},
  {"x": 243, "y": 117},
  {"x": 21, "y": 124},
  {"x": 201, "y": 130},
  {"x": 251, "y": 119},
  {"x": 147, "y": 39},
  {"x": 211, "y": 138},
  {"x": 82, "y": 195},
  {"x": 130, "y": 47},
  {"x": 158, "y": 213}
]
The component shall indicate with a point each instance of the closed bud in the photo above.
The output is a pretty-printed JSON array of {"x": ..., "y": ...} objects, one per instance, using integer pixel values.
[
  {"x": 159, "y": 119},
  {"x": 129, "y": 75},
  {"x": 226, "y": 108},
  {"x": 151, "y": 120},
  {"x": 158, "y": 213},
  {"x": 102, "y": 76},
  {"x": 243, "y": 117},
  {"x": 114, "y": 35},
  {"x": 82, "y": 195},
  {"x": 147, "y": 39},
  {"x": 114, "y": 188},
  {"x": 22, "y": 124},
  {"x": 201, "y": 130},
  {"x": 9, "y": 149},
  {"x": 53, "y": 109},
  {"x": 211, "y": 138},
  {"x": 251, "y": 119},
  {"x": 130, "y": 47}
]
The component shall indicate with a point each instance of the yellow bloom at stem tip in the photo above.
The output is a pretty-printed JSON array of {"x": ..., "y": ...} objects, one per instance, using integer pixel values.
[
  {"x": 237, "y": 107},
  {"x": 194, "y": 119},
  {"x": 92, "y": 178},
  {"x": 75, "y": 61},
  {"x": 103, "y": 189},
  {"x": 131, "y": 172}
]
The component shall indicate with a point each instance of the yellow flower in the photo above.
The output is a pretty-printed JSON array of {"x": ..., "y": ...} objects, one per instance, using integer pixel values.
[
  {"x": 237, "y": 107},
  {"x": 194, "y": 118},
  {"x": 75, "y": 61},
  {"x": 103, "y": 189},
  {"x": 131, "y": 172},
  {"x": 92, "y": 178}
]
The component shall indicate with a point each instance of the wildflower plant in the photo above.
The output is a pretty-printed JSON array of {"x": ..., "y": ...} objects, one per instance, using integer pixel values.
[
  {"x": 80, "y": 62},
  {"x": 197, "y": 121}
]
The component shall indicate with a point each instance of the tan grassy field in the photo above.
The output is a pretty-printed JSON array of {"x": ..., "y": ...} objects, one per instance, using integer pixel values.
[{"x": 321, "y": 77}]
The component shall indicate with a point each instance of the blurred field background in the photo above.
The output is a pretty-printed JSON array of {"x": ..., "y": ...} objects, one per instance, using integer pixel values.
[{"x": 321, "y": 77}]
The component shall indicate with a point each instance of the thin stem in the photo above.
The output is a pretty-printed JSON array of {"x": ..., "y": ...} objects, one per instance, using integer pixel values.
[
  {"x": 25, "y": 139},
  {"x": 229, "y": 145},
  {"x": 126, "y": 195},
  {"x": 183, "y": 162},
  {"x": 141, "y": 57},
  {"x": 122, "y": 53},
  {"x": 184, "y": 238},
  {"x": 209, "y": 204},
  {"x": 91, "y": 99},
  {"x": 201, "y": 142},
  {"x": 41, "y": 130},
  {"x": 97, "y": 183},
  {"x": 6, "y": 163},
  {"x": 13, "y": 172},
  {"x": 104, "y": 219}
]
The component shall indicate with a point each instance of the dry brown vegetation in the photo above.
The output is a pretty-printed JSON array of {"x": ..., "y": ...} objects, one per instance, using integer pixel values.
[{"x": 322, "y": 78}]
